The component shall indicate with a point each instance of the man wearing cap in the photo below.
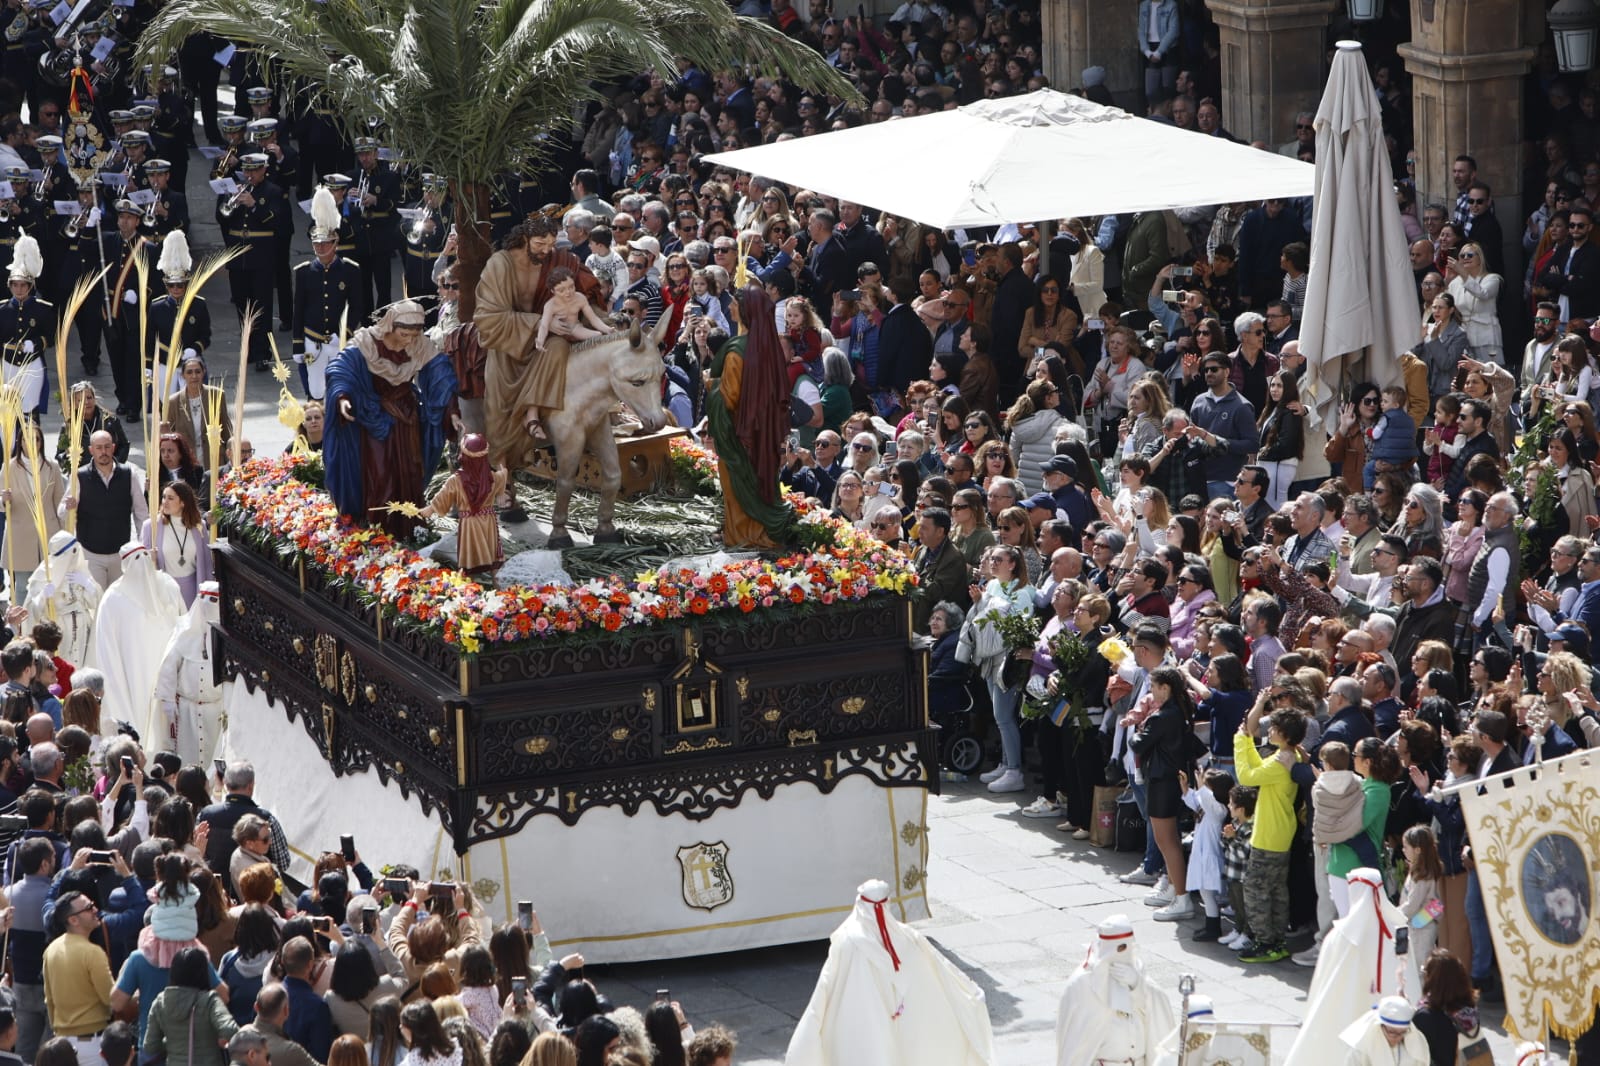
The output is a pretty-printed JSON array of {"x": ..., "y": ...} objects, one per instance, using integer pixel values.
[
  {"x": 20, "y": 212},
  {"x": 233, "y": 148},
  {"x": 1060, "y": 481},
  {"x": 122, "y": 318},
  {"x": 282, "y": 168},
  {"x": 131, "y": 160},
  {"x": 75, "y": 247},
  {"x": 170, "y": 209},
  {"x": 425, "y": 243},
  {"x": 374, "y": 214},
  {"x": 1110, "y": 1011},
  {"x": 257, "y": 224},
  {"x": 27, "y": 328},
  {"x": 339, "y": 186},
  {"x": 328, "y": 298},
  {"x": 1384, "y": 1036}
]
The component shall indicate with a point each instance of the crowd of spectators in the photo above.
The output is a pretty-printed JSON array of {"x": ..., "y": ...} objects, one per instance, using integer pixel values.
[
  {"x": 1098, "y": 426},
  {"x": 151, "y": 915}
]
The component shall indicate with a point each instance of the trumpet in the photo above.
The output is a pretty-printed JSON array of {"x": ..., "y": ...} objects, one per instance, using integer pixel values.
[
  {"x": 423, "y": 226},
  {"x": 75, "y": 225},
  {"x": 360, "y": 191},
  {"x": 150, "y": 218},
  {"x": 225, "y": 164},
  {"x": 233, "y": 204}
]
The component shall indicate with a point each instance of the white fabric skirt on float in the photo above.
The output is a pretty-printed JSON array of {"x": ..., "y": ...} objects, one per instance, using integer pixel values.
[{"x": 616, "y": 887}]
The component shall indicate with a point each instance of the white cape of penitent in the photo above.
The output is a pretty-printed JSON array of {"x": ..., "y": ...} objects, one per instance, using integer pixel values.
[
  {"x": 1032, "y": 158},
  {"x": 1360, "y": 293}
]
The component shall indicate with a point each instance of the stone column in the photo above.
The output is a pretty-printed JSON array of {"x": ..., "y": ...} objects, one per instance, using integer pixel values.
[
  {"x": 1467, "y": 63},
  {"x": 1274, "y": 64},
  {"x": 1090, "y": 33}
]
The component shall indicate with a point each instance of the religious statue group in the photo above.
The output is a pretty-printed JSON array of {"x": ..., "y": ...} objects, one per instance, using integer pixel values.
[{"x": 550, "y": 371}]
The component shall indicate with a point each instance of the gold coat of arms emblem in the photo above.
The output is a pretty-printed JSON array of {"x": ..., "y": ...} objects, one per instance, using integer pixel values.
[{"x": 707, "y": 884}]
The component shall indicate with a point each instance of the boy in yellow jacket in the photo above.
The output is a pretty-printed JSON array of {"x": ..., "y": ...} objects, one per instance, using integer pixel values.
[{"x": 1266, "y": 879}]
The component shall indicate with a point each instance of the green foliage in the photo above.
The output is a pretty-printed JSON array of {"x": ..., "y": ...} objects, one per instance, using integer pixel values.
[{"x": 472, "y": 88}]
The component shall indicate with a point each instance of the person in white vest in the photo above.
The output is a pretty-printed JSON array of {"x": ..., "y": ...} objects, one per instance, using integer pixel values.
[
  {"x": 887, "y": 997},
  {"x": 1109, "y": 1010},
  {"x": 190, "y": 698},
  {"x": 1356, "y": 967},
  {"x": 1384, "y": 1036},
  {"x": 137, "y": 616},
  {"x": 67, "y": 594}
]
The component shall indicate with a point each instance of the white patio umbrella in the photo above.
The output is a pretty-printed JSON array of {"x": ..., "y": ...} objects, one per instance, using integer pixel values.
[
  {"x": 1032, "y": 158},
  {"x": 1361, "y": 306}
]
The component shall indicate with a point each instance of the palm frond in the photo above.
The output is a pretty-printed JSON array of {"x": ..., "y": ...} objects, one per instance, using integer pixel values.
[{"x": 473, "y": 88}]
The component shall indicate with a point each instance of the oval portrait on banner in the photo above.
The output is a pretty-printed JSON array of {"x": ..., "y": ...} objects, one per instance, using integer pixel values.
[{"x": 1556, "y": 889}]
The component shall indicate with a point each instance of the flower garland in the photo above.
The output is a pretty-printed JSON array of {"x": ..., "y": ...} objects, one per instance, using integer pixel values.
[{"x": 264, "y": 501}]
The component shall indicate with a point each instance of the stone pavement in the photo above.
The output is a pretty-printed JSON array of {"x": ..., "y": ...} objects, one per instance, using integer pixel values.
[{"x": 1014, "y": 903}]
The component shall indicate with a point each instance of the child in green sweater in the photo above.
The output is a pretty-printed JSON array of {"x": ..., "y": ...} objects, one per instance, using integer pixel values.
[{"x": 1266, "y": 882}]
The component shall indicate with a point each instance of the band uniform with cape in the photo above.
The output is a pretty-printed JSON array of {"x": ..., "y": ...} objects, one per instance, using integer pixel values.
[
  {"x": 517, "y": 375},
  {"x": 27, "y": 329},
  {"x": 1356, "y": 967},
  {"x": 186, "y": 688},
  {"x": 69, "y": 596},
  {"x": 747, "y": 414},
  {"x": 401, "y": 401},
  {"x": 137, "y": 617},
  {"x": 887, "y": 997},
  {"x": 1109, "y": 1011}
]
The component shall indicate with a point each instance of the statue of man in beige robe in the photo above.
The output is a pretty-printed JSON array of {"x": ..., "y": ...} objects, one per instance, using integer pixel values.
[{"x": 523, "y": 383}]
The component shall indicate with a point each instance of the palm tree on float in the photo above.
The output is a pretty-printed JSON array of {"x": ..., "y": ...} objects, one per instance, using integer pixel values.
[{"x": 470, "y": 87}]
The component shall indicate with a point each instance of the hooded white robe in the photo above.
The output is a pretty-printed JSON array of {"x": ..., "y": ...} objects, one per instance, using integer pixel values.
[
  {"x": 1369, "y": 1047},
  {"x": 137, "y": 617},
  {"x": 190, "y": 698},
  {"x": 865, "y": 1010},
  {"x": 1356, "y": 968},
  {"x": 1108, "y": 1008},
  {"x": 69, "y": 596}
]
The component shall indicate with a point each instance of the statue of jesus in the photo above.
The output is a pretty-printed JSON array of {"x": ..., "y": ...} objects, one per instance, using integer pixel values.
[{"x": 524, "y": 381}]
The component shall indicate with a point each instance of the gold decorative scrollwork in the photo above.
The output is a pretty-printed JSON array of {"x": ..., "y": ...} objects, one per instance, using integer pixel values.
[
  {"x": 434, "y": 736},
  {"x": 329, "y": 716},
  {"x": 485, "y": 889},
  {"x": 325, "y": 661},
  {"x": 299, "y": 645},
  {"x": 827, "y": 769},
  {"x": 684, "y": 747},
  {"x": 268, "y": 626},
  {"x": 371, "y": 692},
  {"x": 238, "y": 606},
  {"x": 649, "y": 698},
  {"x": 912, "y": 879},
  {"x": 536, "y": 745},
  {"x": 852, "y": 705},
  {"x": 743, "y": 685},
  {"x": 799, "y": 737},
  {"x": 911, "y": 831},
  {"x": 772, "y": 714},
  {"x": 619, "y": 734},
  {"x": 347, "y": 678}
]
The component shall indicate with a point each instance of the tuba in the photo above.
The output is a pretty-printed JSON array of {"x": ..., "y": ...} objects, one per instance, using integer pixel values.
[{"x": 55, "y": 67}]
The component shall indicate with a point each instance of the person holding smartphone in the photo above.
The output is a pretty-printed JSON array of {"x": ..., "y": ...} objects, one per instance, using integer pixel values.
[{"x": 419, "y": 945}]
